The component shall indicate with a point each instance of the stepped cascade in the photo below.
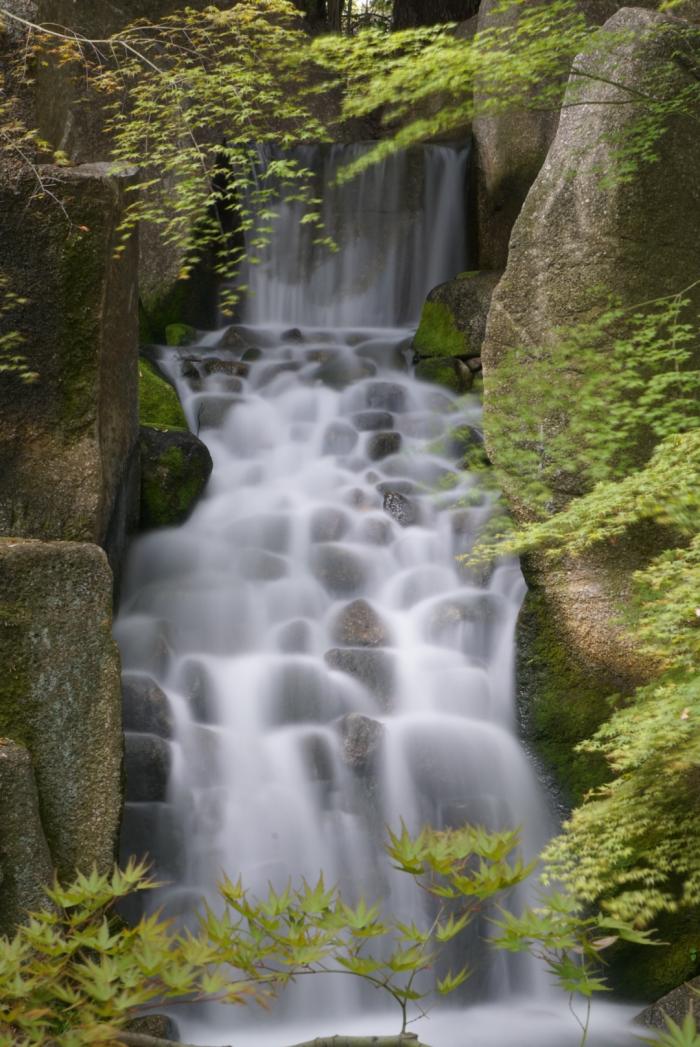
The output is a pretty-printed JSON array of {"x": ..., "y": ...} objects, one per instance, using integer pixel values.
[{"x": 331, "y": 667}]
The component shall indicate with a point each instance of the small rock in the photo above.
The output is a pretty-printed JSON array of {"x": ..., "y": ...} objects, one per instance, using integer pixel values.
[
  {"x": 338, "y": 569},
  {"x": 359, "y": 625},
  {"x": 295, "y": 637},
  {"x": 474, "y": 364},
  {"x": 367, "y": 421},
  {"x": 376, "y": 531},
  {"x": 328, "y": 524},
  {"x": 362, "y": 738},
  {"x": 374, "y": 669},
  {"x": 400, "y": 508},
  {"x": 339, "y": 438},
  {"x": 235, "y": 368},
  {"x": 341, "y": 371},
  {"x": 147, "y": 761},
  {"x": 386, "y": 396},
  {"x": 145, "y": 707},
  {"x": 251, "y": 355},
  {"x": 234, "y": 338},
  {"x": 158, "y": 1025},
  {"x": 381, "y": 445},
  {"x": 292, "y": 335},
  {"x": 260, "y": 565}
]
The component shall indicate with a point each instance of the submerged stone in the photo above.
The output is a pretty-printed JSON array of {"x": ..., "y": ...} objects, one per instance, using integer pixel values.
[
  {"x": 374, "y": 669},
  {"x": 359, "y": 625}
]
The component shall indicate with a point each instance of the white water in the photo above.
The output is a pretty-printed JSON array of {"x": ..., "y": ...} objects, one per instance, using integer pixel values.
[{"x": 284, "y": 764}]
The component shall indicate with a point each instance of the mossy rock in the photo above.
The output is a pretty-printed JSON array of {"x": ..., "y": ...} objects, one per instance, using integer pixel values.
[
  {"x": 158, "y": 402},
  {"x": 453, "y": 320},
  {"x": 175, "y": 467},
  {"x": 450, "y": 373},
  {"x": 179, "y": 334},
  {"x": 646, "y": 973}
]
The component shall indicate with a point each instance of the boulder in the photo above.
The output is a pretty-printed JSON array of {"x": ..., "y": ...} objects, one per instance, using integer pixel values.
[
  {"x": 145, "y": 706},
  {"x": 66, "y": 438},
  {"x": 381, "y": 445},
  {"x": 338, "y": 569},
  {"x": 25, "y": 862},
  {"x": 401, "y": 508},
  {"x": 451, "y": 373},
  {"x": 359, "y": 625},
  {"x": 362, "y": 738},
  {"x": 175, "y": 467},
  {"x": 372, "y": 668},
  {"x": 453, "y": 320},
  {"x": 147, "y": 763},
  {"x": 675, "y": 1005},
  {"x": 60, "y": 692},
  {"x": 159, "y": 403}
]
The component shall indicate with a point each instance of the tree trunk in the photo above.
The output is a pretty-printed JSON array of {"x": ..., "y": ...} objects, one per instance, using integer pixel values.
[
  {"x": 335, "y": 15},
  {"x": 410, "y": 13}
]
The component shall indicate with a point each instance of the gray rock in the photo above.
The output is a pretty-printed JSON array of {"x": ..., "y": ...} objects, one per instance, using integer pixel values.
[
  {"x": 341, "y": 371},
  {"x": 235, "y": 338},
  {"x": 25, "y": 862},
  {"x": 295, "y": 637},
  {"x": 339, "y": 438},
  {"x": 159, "y": 1026},
  {"x": 66, "y": 438},
  {"x": 251, "y": 355},
  {"x": 386, "y": 396},
  {"x": 362, "y": 738},
  {"x": 381, "y": 445},
  {"x": 299, "y": 693},
  {"x": 147, "y": 762},
  {"x": 359, "y": 625},
  {"x": 367, "y": 421},
  {"x": 453, "y": 320},
  {"x": 372, "y": 668},
  {"x": 268, "y": 374},
  {"x": 60, "y": 692},
  {"x": 338, "y": 569},
  {"x": 675, "y": 1005},
  {"x": 376, "y": 531},
  {"x": 328, "y": 524},
  {"x": 400, "y": 508},
  {"x": 175, "y": 467},
  {"x": 292, "y": 335},
  {"x": 145, "y": 706},
  {"x": 154, "y": 831}
]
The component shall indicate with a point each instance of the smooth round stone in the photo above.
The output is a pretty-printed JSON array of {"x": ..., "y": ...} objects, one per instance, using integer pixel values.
[
  {"x": 339, "y": 438},
  {"x": 328, "y": 524},
  {"x": 400, "y": 508},
  {"x": 251, "y": 355},
  {"x": 386, "y": 396},
  {"x": 368, "y": 421},
  {"x": 381, "y": 445},
  {"x": 342, "y": 371},
  {"x": 376, "y": 531},
  {"x": 147, "y": 762},
  {"x": 293, "y": 334},
  {"x": 374, "y": 669},
  {"x": 362, "y": 738},
  {"x": 339, "y": 570},
  {"x": 145, "y": 707},
  {"x": 295, "y": 637},
  {"x": 359, "y": 625},
  {"x": 232, "y": 368}
]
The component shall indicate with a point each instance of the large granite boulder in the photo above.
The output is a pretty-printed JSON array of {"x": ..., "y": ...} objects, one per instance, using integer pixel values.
[
  {"x": 60, "y": 693},
  {"x": 66, "y": 439},
  {"x": 25, "y": 862}
]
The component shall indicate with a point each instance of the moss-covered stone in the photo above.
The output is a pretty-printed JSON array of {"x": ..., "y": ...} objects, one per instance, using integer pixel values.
[
  {"x": 453, "y": 320},
  {"x": 179, "y": 334},
  {"x": 158, "y": 402},
  {"x": 175, "y": 467},
  {"x": 59, "y": 692},
  {"x": 648, "y": 973},
  {"x": 449, "y": 372}
]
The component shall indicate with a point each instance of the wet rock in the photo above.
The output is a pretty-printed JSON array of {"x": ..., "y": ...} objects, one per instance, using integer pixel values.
[
  {"x": 251, "y": 355},
  {"x": 319, "y": 757},
  {"x": 272, "y": 371},
  {"x": 159, "y": 1026},
  {"x": 342, "y": 371},
  {"x": 362, "y": 738},
  {"x": 381, "y": 445},
  {"x": 361, "y": 498},
  {"x": 400, "y": 508},
  {"x": 145, "y": 706},
  {"x": 328, "y": 524},
  {"x": 386, "y": 396},
  {"x": 449, "y": 372},
  {"x": 675, "y": 1005},
  {"x": 295, "y": 637},
  {"x": 453, "y": 320},
  {"x": 405, "y": 487},
  {"x": 339, "y": 438},
  {"x": 292, "y": 335},
  {"x": 321, "y": 356},
  {"x": 25, "y": 863},
  {"x": 175, "y": 467},
  {"x": 359, "y": 625},
  {"x": 376, "y": 531},
  {"x": 235, "y": 338},
  {"x": 147, "y": 761},
  {"x": 211, "y": 410},
  {"x": 367, "y": 421},
  {"x": 299, "y": 693},
  {"x": 338, "y": 569},
  {"x": 385, "y": 356},
  {"x": 259, "y": 565},
  {"x": 190, "y": 372},
  {"x": 233, "y": 368},
  {"x": 154, "y": 831},
  {"x": 194, "y": 682},
  {"x": 374, "y": 669}
]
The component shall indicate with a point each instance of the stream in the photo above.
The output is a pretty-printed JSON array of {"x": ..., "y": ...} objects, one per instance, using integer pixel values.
[{"x": 331, "y": 666}]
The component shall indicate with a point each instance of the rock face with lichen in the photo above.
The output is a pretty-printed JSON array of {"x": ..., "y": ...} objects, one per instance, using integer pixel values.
[
  {"x": 60, "y": 694},
  {"x": 66, "y": 438}
]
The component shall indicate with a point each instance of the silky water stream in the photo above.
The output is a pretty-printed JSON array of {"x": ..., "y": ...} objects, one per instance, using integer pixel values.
[{"x": 330, "y": 666}]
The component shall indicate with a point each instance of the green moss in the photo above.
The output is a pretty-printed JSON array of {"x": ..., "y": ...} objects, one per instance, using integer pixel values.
[
  {"x": 179, "y": 334},
  {"x": 173, "y": 477},
  {"x": 563, "y": 702},
  {"x": 438, "y": 334},
  {"x": 649, "y": 973},
  {"x": 158, "y": 402},
  {"x": 448, "y": 373}
]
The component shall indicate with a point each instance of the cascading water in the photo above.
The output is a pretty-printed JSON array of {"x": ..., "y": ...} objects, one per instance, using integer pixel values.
[{"x": 330, "y": 666}]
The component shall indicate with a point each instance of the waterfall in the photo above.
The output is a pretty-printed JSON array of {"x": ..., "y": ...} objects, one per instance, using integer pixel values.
[{"x": 331, "y": 666}]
